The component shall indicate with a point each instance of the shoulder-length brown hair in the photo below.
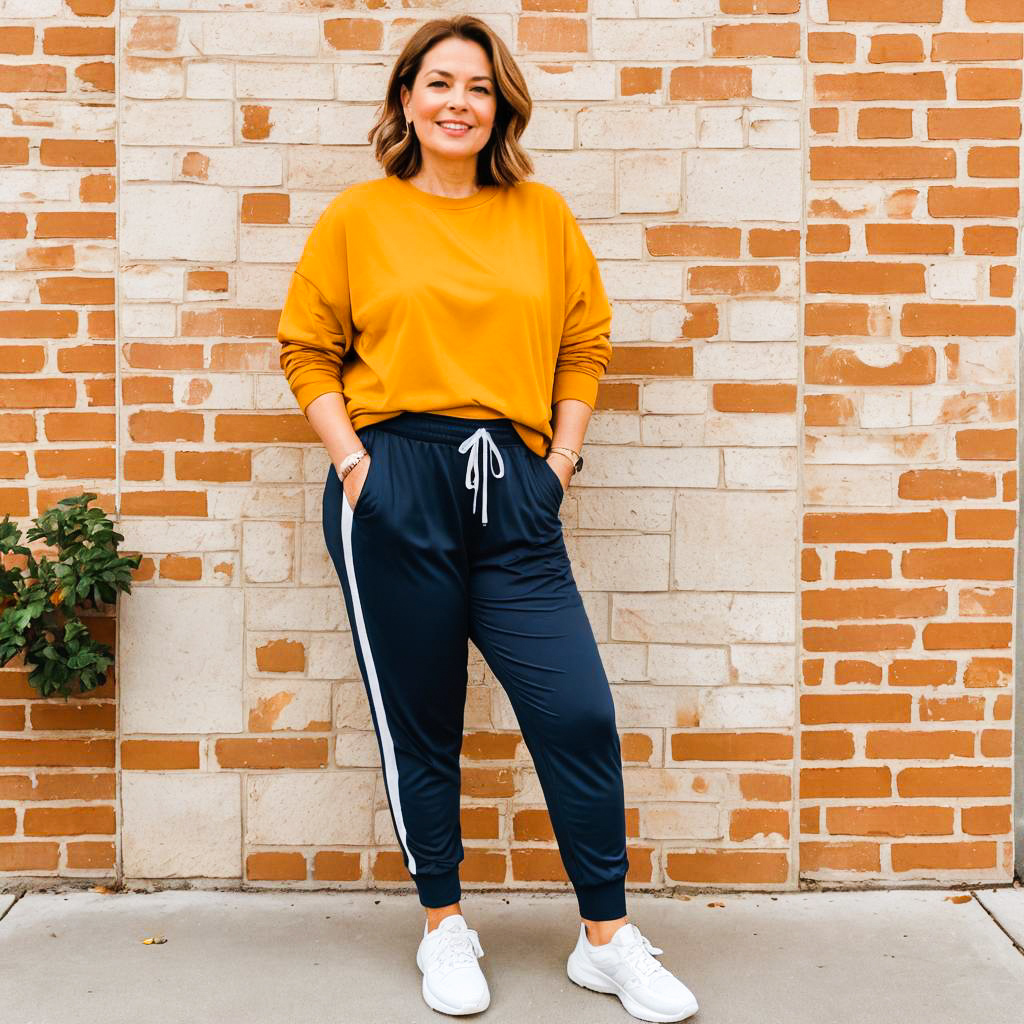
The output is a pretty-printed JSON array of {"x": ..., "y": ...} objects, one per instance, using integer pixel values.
[{"x": 502, "y": 161}]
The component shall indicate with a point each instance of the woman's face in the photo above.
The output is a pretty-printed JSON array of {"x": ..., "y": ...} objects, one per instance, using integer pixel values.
[{"x": 454, "y": 83}]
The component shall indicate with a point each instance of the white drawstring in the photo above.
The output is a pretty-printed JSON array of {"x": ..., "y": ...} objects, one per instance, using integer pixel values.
[{"x": 490, "y": 451}]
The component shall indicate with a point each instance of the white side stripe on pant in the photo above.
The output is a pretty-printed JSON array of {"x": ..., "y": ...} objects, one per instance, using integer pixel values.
[{"x": 390, "y": 764}]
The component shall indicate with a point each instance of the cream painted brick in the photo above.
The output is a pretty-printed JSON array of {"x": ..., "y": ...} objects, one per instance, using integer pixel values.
[
  {"x": 774, "y": 127},
  {"x": 675, "y": 784},
  {"x": 763, "y": 663},
  {"x": 687, "y": 664},
  {"x": 316, "y": 567},
  {"x": 357, "y": 749},
  {"x": 703, "y": 618},
  {"x": 987, "y": 363},
  {"x": 593, "y": 82},
  {"x": 650, "y": 182},
  {"x": 352, "y": 707},
  {"x": 631, "y": 279},
  {"x": 611, "y": 466},
  {"x": 36, "y": 9},
  {"x": 650, "y": 128},
  {"x": 954, "y": 280},
  {"x": 308, "y": 609},
  {"x": 149, "y": 321},
  {"x": 268, "y": 552},
  {"x": 644, "y": 706},
  {"x": 607, "y": 427},
  {"x": 211, "y": 80},
  {"x": 254, "y": 502},
  {"x": 653, "y": 39},
  {"x": 847, "y": 486},
  {"x": 181, "y": 825},
  {"x": 361, "y": 82},
  {"x": 551, "y": 128},
  {"x": 770, "y": 429},
  {"x": 761, "y": 468},
  {"x": 152, "y": 80},
  {"x": 624, "y": 662},
  {"x": 603, "y": 563},
  {"x": 326, "y": 808},
  {"x": 32, "y": 186},
  {"x": 175, "y": 122},
  {"x": 477, "y": 714},
  {"x": 673, "y": 430},
  {"x": 763, "y": 320},
  {"x": 152, "y": 227},
  {"x": 674, "y": 396},
  {"x": 928, "y": 406},
  {"x": 329, "y": 167},
  {"x": 180, "y": 660},
  {"x": 746, "y": 707},
  {"x": 585, "y": 180},
  {"x": 884, "y": 408},
  {"x": 286, "y": 704},
  {"x": 143, "y": 282},
  {"x": 18, "y": 289},
  {"x": 678, "y": 8},
  {"x": 735, "y": 540},
  {"x": 222, "y": 569},
  {"x": 869, "y": 449},
  {"x": 160, "y": 536},
  {"x": 623, "y": 241},
  {"x": 216, "y": 391},
  {"x": 258, "y": 35},
  {"x": 136, "y": 163},
  {"x": 741, "y": 361},
  {"x": 343, "y": 124},
  {"x": 731, "y": 186},
  {"x": 623, "y": 509},
  {"x": 243, "y": 166},
  {"x": 778, "y": 82},
  {"x": 284, "y": 81},
  {"x": 720, "y": 127},
  {"x": 680, "y": 821}
]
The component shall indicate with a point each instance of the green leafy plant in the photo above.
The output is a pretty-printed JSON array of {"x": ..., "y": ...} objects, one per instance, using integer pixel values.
[{"x": 38, "y": 601}]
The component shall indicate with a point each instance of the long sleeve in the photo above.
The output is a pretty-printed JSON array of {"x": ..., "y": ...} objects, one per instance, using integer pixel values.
[
  {"x": 315, "y": 329},
  {"x": 585, "y": 349}
]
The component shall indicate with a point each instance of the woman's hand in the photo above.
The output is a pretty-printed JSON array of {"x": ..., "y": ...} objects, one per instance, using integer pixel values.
[
  {"x": 352, "y": 485},
  {"x": 563, "y": 469}
]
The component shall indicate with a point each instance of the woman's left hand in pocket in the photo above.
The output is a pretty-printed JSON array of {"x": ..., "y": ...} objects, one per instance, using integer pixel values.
[{"x": 563, "y": 469}]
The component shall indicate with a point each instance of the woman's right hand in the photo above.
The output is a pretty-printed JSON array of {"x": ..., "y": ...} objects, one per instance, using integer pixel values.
[{"x": 352, "y": 485}]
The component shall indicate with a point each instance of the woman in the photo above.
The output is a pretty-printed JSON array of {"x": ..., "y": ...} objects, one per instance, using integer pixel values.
[{"x": 436, "y": 319}]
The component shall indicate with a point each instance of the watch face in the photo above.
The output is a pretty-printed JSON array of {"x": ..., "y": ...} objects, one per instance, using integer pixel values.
[{"x": 579, "y": 463}]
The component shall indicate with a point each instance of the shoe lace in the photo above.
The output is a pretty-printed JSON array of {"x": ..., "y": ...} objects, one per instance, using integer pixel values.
[
  {"x": 457, "y": 948},
  {"x": 639, "y": 955}
]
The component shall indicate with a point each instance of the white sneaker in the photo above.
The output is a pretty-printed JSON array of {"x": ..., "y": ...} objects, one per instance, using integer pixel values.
[
  {"x": 452, "y": 979},
  {"x": 625, "y": 967}
]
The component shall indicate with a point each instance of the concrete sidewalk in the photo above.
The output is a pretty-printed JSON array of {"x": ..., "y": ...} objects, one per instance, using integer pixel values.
[{"x": 917, "y": 957}]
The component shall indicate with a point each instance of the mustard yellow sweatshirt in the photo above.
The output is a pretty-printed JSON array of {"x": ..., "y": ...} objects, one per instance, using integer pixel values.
[{"x": 486, "y": 306}]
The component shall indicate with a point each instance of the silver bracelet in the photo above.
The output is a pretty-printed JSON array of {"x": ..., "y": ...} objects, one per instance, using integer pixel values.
[{"x": 350, "y": 461}]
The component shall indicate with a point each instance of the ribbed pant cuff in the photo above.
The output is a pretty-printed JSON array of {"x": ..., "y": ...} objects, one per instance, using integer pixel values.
[
  {"x": 604, "y": 902},
  {"x": 439, "y": 890}
]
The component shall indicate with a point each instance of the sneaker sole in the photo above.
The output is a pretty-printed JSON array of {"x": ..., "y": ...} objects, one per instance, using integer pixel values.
[
  {"x": 442, "y": 1007},
  {"x": 589, "y": 977}
]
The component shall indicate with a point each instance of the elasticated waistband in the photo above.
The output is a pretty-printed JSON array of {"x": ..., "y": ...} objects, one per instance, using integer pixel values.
[{"x": 433, "y": 426}]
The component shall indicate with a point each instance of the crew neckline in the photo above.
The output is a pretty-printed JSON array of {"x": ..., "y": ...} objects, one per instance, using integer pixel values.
[{"x": 483, "y": 195}]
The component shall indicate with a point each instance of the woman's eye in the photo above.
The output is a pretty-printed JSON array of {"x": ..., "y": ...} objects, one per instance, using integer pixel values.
[{"x": 478, "y": 88}]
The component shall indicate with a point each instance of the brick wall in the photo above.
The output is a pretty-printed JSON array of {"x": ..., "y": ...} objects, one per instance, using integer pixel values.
[{"x": 796, "y": 532}]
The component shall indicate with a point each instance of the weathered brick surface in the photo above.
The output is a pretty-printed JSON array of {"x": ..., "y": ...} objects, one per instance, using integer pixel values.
[{"x": 806, "y": 214}]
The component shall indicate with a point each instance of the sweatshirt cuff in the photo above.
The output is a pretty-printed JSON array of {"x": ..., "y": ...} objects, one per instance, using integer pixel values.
[
  {"x": 305, "y": 393},
  {"x": 575, "y": 384}
]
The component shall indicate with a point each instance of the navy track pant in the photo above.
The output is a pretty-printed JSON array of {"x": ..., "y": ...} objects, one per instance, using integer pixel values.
[{"x": 456, "y": 535}]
